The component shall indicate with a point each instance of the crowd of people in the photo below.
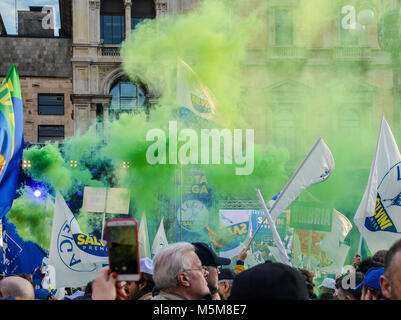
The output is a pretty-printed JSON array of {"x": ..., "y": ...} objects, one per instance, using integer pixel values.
[{"x": 193, "y": 271}]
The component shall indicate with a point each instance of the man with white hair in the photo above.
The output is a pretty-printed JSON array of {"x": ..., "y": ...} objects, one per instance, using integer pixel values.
[{"x": 178, "y": 273}]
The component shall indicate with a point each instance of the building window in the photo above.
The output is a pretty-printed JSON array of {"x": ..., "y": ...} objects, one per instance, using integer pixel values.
[
  {"x": 283, "y": 27},
  {"x": 50, "y": 133},
  {"x": 349, "y": 119},
  {"x": 348, "y": 37},
  {"x": 285, "y": 129},
  {"x": 112, "y": 21},
  {"x": 51, "y": 104},
  {"x": 127, "y": 97},
  {"x": 112, "y": 29},
  {"x": 142, "y": 10}
]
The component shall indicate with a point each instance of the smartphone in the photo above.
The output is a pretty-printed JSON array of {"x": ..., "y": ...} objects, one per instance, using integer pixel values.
[{"x": 123, "y": 249}]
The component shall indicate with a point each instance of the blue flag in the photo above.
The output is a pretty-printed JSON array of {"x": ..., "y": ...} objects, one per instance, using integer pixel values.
[
  {"x": 11, "y": 138},
  {"x": 20, "y": 256}
]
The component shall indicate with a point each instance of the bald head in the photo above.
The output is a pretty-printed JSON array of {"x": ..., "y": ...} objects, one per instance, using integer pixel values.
[{"x": 16, "y": 287}]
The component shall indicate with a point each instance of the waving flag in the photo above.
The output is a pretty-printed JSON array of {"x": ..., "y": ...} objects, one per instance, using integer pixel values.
[
  {"x": 378, "y": 217},
  {"x": 316, "y": 167},
  {"x": 143, "y": 238},
  {"x": 160, "y": 240},
  {"x": 192, "y": 93},
  {"x": 20, "y": 256},
  {"x": 11, "y": 138},
  {"x": 76, "y": 257}
]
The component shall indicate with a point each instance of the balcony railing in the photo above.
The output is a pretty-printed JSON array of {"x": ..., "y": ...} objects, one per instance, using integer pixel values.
[
  {"x": 110, "y": 51},
  {"x": 351, "y": 53},
  {"x": 286, "y": 52}
]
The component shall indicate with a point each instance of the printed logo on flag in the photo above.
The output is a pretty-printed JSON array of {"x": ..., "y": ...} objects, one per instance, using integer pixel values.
[
  {"x": 2, "y": 162},
  {"x": 66, "y": 248},
  {"x": 90, "y": 245},
  {"x": 388, "y": 203},
  {"x": 325, "y": 175},
  {"x": 381, "y": 220},
  {"x": 201, "y": 105}
]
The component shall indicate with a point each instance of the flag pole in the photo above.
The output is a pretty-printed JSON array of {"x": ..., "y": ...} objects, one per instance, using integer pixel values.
[
  {"x": 360, "y": 244},
  {"x": 276, "y": 236},
  {"x": 104, "y": 214}
]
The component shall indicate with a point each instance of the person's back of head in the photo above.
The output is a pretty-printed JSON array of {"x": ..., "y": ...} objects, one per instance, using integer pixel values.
[
  {"x": 380, "y": 256},
  {"x": 308, "y": 276},
  {"x": 17, "y": 287},
  {"x": 269, "y": 281},
  {"x": 327, "y": 295},
  {"x": 368, "y": 263},
  {"x": 346, "y": 286}
]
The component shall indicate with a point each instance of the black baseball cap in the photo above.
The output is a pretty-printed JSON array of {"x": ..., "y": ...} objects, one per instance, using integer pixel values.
[
  {"x": 269, "y": 281},
  {"x": 208, "y": 257},
  {"x": 227, "y": 274}
]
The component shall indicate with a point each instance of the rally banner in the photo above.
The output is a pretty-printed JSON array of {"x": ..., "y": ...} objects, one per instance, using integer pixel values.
[
  {"x": 237, "y": 223},
  {"x": 378, "y": 217},
  {"x": 194, "y": 195},
  {"x": 316, "y": 167},
  {"x": 76, "y": 257},
  {"x": 241, "y": 224}
]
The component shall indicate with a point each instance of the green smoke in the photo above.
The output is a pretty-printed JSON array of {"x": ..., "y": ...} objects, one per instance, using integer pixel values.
[
  {"x": 290, "y": 95},
  {"x": 32, "y": 217}
]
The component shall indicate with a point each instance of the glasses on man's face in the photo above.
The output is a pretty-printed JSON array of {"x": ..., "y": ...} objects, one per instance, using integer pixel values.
[
  {"x": 218, "y": 268},
  {"x": 203, "y": 269}
]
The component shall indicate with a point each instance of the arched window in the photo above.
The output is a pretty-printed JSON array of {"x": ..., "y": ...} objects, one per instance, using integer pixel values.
[
  {"x": 142, "y": 10},
  {"x": 112, "y": 21},
  {"x": 127, "y": 97}
]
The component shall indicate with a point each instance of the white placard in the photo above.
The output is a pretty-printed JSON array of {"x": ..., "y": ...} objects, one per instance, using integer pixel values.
[
  {"x": 94, "y": 199},
  {"x": 118, "y": 200}
]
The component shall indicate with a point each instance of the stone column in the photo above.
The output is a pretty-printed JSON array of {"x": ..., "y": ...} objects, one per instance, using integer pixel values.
[
  {"x": 94, "y": 21},
  {"x": 128, "y": 5},
  {"x": 161, "y": 8}
]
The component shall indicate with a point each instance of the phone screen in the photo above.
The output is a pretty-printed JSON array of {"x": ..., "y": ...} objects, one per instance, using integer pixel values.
[{"x": 123, "y": 255}]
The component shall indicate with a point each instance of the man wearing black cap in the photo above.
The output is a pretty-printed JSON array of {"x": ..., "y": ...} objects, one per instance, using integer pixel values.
[
  {"x": 211, "y": 261},
  {"x": 269, "y": 281}
]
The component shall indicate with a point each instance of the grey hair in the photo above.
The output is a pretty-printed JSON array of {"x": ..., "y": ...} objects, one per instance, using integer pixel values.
[
  {"x": 170, "y": 261},
  {"x": 229, "y": 281}
]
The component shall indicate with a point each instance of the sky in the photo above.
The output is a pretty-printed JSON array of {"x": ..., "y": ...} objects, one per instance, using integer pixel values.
[{"x": 7, "y": 11}]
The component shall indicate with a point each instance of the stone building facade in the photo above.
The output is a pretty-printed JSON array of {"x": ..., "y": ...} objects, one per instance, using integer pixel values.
[
  {"x": 96, "y": 62},
  {"x": 44, "y": 67}
]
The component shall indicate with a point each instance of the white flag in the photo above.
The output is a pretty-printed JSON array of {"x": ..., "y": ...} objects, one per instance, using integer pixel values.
[
  {"x": 160, "y": 240},
  {"x": 71, "y": 251},
  {"x": 192, "y": 93},
  {"x": 143, "y": 238},
  {"x": 332, "y": 242},
  {"x": 316, "y": 167},
  {"x": 378, "y": 217}
]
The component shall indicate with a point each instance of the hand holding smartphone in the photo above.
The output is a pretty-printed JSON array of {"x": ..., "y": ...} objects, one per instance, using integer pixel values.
[{"x": 123, "y": 249}]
